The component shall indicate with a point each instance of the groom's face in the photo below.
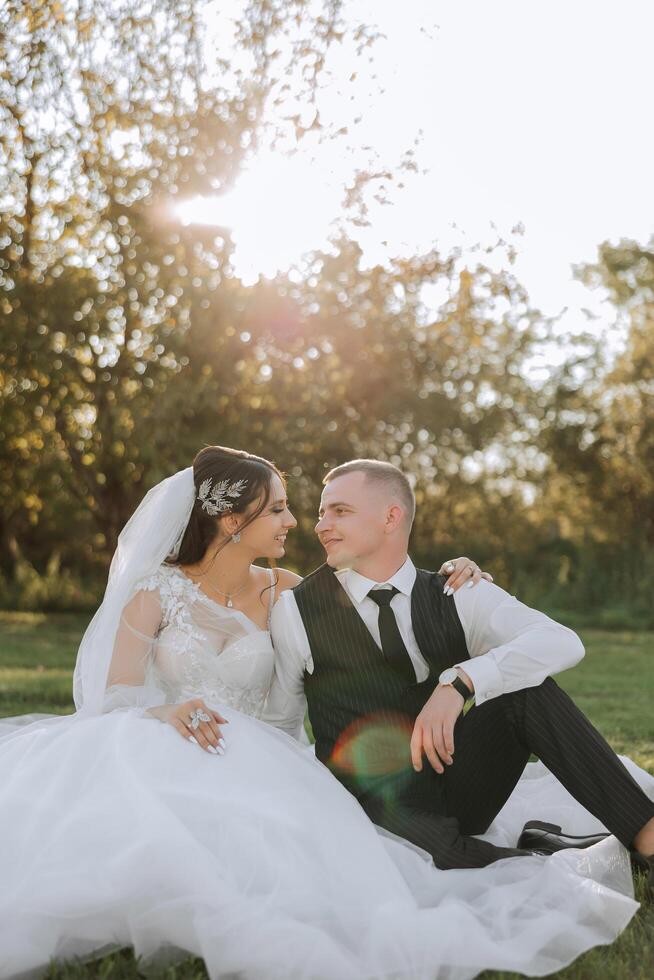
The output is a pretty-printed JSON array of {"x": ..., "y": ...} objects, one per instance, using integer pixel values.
[{"x": 352, "y": 519}]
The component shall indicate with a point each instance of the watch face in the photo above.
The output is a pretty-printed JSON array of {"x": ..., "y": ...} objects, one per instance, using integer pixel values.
[{"x": 448, "y": 675}]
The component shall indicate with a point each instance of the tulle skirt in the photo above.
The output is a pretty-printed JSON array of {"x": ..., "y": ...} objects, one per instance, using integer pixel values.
[{"x": 115, "y": 831}]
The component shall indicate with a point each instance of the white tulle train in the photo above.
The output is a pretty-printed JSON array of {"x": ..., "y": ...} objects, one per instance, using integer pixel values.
[{"x": 262, "y": 864}]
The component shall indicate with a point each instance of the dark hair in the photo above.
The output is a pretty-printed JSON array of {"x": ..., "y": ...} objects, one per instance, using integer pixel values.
[{"x": 220, "y": 463}]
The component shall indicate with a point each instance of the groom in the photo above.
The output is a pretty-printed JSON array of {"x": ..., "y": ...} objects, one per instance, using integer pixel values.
[{"x": 389, "y": 666}]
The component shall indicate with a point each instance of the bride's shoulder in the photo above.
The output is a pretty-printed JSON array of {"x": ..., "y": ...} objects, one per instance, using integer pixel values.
[
  {"x": 164, "y": 580},
  {"x": 169, "y": 589},
  {"x": 286, "y": 580}
]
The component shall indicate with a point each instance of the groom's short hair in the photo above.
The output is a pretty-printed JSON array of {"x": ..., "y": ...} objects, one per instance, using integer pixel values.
[{"x": 384, "y": 475}]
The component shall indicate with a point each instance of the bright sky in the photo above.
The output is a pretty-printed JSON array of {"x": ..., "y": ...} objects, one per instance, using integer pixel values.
[{"x": 527, "y": 112}]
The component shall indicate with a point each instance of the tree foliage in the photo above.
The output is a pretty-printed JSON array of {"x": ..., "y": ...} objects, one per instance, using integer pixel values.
[
  {"x": 128, "y": 342},
  {"x": 599, "y": 426},
  {"x": 108, "y": 112}
]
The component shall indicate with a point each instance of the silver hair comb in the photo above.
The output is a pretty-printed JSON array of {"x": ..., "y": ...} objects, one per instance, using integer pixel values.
[{"x": 216, "y": 501}]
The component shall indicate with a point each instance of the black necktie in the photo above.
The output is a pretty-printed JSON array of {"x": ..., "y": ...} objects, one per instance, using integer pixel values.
[{"x": 392, "y": 643}]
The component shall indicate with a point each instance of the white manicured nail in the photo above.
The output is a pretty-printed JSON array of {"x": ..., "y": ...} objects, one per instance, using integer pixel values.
[
  {"x": 211, "y": 749},
  {"x": 450, "y": 591},
  {"x": 221, "y": 743},
  {"x": 193, "y": 739},
  {"x": 470, "y": 584},
  {"x": 220, "y": 751},
  {"x": 445, "y": 590}
]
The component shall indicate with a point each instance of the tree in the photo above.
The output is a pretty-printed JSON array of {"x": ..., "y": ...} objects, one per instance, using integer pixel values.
[
  {"x": 337, "y": 361},
  {"x": 108, "y": 110},
  {"x": 600, "y": 420},
  {"x": 130, "y": 343}
]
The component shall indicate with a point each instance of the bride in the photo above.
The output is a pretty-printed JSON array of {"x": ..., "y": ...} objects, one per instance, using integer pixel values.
[{"x": 164, "y": 815}]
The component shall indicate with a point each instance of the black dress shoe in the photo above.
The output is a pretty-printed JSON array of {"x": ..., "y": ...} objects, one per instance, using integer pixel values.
[{"x": 546, "y": 838}]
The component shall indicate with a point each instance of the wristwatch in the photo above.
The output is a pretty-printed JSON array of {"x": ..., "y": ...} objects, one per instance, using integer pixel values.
[{"x": 451, "y": 677}]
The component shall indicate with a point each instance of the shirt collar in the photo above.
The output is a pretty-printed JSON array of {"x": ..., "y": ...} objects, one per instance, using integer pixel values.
[{"x": 359, "y": 586}]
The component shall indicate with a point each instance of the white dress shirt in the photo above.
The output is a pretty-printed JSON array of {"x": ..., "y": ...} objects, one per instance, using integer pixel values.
[{"x": 510, "y": 645}]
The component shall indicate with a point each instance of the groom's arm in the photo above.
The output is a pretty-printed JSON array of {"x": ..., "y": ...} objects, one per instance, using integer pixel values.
[
  {"x": 286, "y": 704},
  {"x": 511, "y": 646}
]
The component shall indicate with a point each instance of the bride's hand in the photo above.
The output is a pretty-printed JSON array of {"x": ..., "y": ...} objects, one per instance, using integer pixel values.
[
  {"x": 460, "y": 572},
  {"x": 207, "y": 734}
]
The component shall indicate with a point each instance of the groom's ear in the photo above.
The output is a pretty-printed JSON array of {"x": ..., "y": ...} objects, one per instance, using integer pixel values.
[{"x": 394, "y": 518}]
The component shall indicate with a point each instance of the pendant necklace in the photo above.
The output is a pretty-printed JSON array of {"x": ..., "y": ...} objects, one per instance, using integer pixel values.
[{"x": 231, "y": 595}]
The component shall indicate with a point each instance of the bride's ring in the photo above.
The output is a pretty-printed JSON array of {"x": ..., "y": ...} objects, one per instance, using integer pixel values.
[{"x": 197, "y": 716}]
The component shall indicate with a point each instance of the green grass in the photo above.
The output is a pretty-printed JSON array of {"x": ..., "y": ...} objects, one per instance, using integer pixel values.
[
  {"x": 37, "y": 656},
  {"x": 614, "y": 686}
]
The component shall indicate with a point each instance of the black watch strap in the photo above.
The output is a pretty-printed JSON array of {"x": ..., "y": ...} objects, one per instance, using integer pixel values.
[{"x": 462, "y": 688}]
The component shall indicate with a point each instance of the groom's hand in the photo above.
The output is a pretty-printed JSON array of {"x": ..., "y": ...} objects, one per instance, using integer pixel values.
[{"x": 433, "y": 732}]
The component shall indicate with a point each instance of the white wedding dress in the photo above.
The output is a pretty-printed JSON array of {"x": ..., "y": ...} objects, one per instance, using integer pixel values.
[{"x": 116, "y": 831}]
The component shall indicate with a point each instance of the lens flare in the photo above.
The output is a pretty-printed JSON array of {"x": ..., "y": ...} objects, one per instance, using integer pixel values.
[{"x": 374, "y": 746}]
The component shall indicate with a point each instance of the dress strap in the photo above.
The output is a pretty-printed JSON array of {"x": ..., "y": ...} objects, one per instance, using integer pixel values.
[{"x": 271, "y": 601}]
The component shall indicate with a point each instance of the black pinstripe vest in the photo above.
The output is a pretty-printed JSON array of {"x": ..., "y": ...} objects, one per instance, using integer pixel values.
[{"x": 361, "y": 712}]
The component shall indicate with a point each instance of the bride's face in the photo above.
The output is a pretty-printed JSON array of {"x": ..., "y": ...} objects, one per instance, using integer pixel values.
[{"x": 265, "y": 537}]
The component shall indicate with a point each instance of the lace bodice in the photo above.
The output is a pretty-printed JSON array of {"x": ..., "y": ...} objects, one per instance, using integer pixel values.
[{"x": 203, "y": 649}]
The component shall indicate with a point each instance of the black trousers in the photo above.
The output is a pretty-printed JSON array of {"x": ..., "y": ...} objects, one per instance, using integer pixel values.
[{"x": 492, "y": 745}]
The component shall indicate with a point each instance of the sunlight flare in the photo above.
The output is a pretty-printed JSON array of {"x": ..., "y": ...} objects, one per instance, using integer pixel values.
[{"x": 279, "y": 208}]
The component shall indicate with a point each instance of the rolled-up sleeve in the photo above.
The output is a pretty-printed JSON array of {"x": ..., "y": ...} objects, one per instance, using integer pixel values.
[
  {"x": 511, "y": 646},
  {"x": 286, "y": 703}
]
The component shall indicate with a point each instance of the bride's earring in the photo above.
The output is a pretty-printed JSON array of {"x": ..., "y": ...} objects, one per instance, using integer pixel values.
[{"x": 236, "y": 537}]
